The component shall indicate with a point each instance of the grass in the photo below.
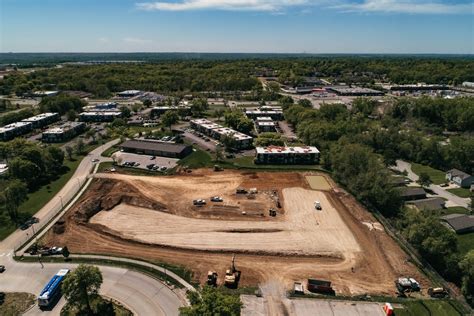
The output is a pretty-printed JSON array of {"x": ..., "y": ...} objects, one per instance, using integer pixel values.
[
  {"x": 15, "y": 303},
  {"x": 454, "y": 210},
  {"x": 437, "y": 176},
  {"x": 465, "y": 243},
  {"x": 428, "y": 308},
  {"x": 198, "y": 159},
  {"x": 36, "y": 200},
  {"x": 119, "y": 310},
  {"x": 461, "y": 192},
  {"x": 110, "y": 151}
]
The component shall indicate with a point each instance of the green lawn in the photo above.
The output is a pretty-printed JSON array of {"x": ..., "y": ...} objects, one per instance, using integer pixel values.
[
  {"x": 119, "y": 310},
  {"x": 465, "y": 243},
  {"x": 461, "y": 192},
  {"x": 437, "y": 176},
  {"x": 110, "y": 151},
  {"x": 428, "y": 308},
  {"x": 39, "y": 198},
  {"x": 198, "y": 159},
  {"x": 454, "y": 210},
  {"x": 15, "y": 303}
]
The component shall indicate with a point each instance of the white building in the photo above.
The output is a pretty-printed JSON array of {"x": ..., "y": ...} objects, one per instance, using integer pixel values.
[
  {"x": 305, "y": 155},
  {"x": 217, "y": 131}
]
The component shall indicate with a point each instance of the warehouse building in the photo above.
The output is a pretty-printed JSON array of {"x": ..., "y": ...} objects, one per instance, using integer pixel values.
[
  {"x": 279, "y": 155},
  {"x": 108, "y": 106},
  {"x": 63, "y": 133},
  {"x": 217, "y": 131},
  {"x": 156, "y": 148},
  {"x": 43, "y": 119},
  {"x": 13, "y": 130},
  {"x": 99, "y": 116}
]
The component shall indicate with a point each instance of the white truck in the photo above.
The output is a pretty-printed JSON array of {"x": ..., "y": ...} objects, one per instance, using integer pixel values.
[{"x": 317, "y": 205}]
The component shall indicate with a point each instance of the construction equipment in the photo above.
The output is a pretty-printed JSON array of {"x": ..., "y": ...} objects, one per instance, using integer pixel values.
[
  {"x": 272, "y": 212},
  {"x": 437, "y": 292},
  {"x": 241, "y": 191},
  {"x": 212, "y": 278},
  {"x": 320, "y": 286},
  {"x": 218, "y": 168},
  {"x": 298, "y": 288},
  {"x": 232, "y": 276},
  {"x": 199, "y": 202},
  {"x": 407, "y": 285},
  {"x": 317, "y": 205}
]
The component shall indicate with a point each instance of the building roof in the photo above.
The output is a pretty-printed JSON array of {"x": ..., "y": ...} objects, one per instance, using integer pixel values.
[
  {"x": 39, "y": 117},
  {"x": 63, "y": 128},
  {"x": 287, "y": 150},
  {"x": 266, "y": 123},
  {"x": 154, "y": 145},
  {"x": 13, "y": 126},
  {"x": 429, "y": 204},
  {"x": 459, "y": 222},
  {"x": 100, "y": 113},
  {"x": 411, "y": 191},
  {"x": 458, "y": 173},
  {"x": 264, "y": 118},
  {"x": 396, "y": 180}
]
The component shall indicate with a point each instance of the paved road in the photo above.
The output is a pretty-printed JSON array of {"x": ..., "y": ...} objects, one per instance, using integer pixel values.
[
  {"x": 68, "y": 192},
  {"x": 403, "y": 165},
  {"x": 141, "y": 294}
]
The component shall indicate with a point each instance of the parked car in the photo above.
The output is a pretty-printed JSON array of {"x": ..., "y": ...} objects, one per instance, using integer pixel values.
[
  {"x": 163, "y": 168},
  {"x": 216, "y": 199},
  {"x": 199, "y": 202},
  {"x": 95, "y": 160},
  {"x": 152, "y": 157},
  {"x": 25, "y": 226},
  {"x": 2, "y": 269},
  {"x": 150, "y": 166},
  {"x": 56, "y": 250}
]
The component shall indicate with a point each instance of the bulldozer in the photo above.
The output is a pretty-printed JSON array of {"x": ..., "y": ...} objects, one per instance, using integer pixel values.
[
  {"x": 212, "y": 278},
  {"x": 232, "y": 276}
]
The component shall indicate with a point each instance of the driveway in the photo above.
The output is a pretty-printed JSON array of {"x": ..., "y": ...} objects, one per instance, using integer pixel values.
[
  {"x": 453, "y": 199},
  {"x": 201, "y": 143},
  {"x": 141, "y": 294}
]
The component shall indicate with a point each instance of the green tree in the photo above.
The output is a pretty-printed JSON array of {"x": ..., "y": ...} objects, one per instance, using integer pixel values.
[
  {"x": 69, "y": 151},
  {"x": 218, "y": 113},
  {"x": 57, "y": 155},
  {"x": 229, "y": 142},
  {"x": 305, "y": 103},
  {"x": 82, "y": 285},
  {"x": 147, "y": 103},
  {"x": 424, "y": 179},
  {"x": 126, "y": 112},
  {"x": 467, "y": 267},
  {"x": 71, "y": 115},
  {"x": 199, "y": 106},
  {"x": 169, "y": 118},
  {"x": 211, "y": 301},
  {"x": 219, "y": 154},
  {"x": 15, "y": 194},
  {"x": 24, "y": 170},
  {"x": 80, "y": 147},
  {"x": 65, "y": 252}
]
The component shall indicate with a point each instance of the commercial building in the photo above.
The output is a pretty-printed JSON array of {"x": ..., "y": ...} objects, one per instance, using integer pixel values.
[
  {"x": 156, "y": 148},
  {"x": 43, "y": 119},
  {"x": 13, "y": 130},
  {"x": 305, "y": 155},
  {"x": 129, "y": 93},
  {"x": 63, "y": 133},
  {"x": 99, "y": 116},
  {"x": 354, "y": 91},
  {"x": 217, "y": 131},
  {"x": 461, "y": 178},
  {"x": 418, "y": 87},
  {"x": 460, "y": 223}
]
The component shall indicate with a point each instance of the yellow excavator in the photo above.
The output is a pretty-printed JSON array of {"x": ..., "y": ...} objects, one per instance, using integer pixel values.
[{"x": 232, "y": 276}]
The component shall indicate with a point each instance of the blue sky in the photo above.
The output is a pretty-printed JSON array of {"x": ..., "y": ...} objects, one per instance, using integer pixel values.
[{"x": 282, "y": 26}]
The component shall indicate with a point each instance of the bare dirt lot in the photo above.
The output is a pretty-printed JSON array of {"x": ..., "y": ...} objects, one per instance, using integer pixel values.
[{"x": 154, "y": 218}]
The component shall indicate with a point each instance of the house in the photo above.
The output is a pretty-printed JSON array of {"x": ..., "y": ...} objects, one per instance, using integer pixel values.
[
  {"x": 397, "y": 181},
  {"x": 411, "y": 193},
  {"x": 460, "y": 223},
  {"x": 461, "y": 178},
  {"x": 42, "y": 119},
  {"x": 156, "y": 148},
  {"x": 265, "y": 127},
  {"x": 63, "y": 133},
  {"x": 429, "y": 204},
  {"x": 13, "y": 130},
  {"x": 306, "y": 155}
]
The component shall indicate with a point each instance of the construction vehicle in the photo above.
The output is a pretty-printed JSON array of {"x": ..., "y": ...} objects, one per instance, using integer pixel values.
[
  {"x": 320, "y": 286},
  {"x": 272, "y": 212},
  {"x": 216, "y": 199},
  {"x": 232, "y": 276},
  {"x": 437, "y": 292},
  {"x": 317, "y": 205},
  {"x": 218, "y": 168},
  {"x": 298, "y": 288},
  {"x": 241, "y": 191},
  {"x": 212, "y": 278},
  {"x": 199, "y": 202}
]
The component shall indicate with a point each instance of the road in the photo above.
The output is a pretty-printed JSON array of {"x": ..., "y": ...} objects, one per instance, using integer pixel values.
[
  {"x": 454, "y": 199},
  {"x": 69, "y": 190},
  {"x": 143, "y": 295}
]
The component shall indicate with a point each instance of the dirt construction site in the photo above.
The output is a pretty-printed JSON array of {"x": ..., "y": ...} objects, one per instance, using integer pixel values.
[{"x": 154, "y": 218}]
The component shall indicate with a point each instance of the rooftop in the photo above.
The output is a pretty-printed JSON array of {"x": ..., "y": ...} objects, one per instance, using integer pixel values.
[
  {"x": 429, "y": 204},
  {"x": 99, "y": 113},
  {"x": 287, "y": 150},
  {"x": 13, "y": 126},
  {"x": 64, "y": 127},
  {"x": 459, "y": 221},
  {"x": 411, "y": 191},
  {"x": 264, "y": 118},
  {"x": 39, "y": 117},
  {"x": 154, "y": 145},
  {"x": 458, "y": 173}
]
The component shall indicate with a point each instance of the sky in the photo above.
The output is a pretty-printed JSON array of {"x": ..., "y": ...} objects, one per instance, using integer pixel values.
[{"x": 246, "y": 26}]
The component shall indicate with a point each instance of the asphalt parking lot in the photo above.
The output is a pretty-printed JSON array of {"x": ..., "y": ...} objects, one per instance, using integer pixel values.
[{"x": 145, "y": 160}]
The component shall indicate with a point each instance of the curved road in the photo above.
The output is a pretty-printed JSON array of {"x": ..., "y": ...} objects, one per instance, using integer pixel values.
[{"x": 143, "y": 295}]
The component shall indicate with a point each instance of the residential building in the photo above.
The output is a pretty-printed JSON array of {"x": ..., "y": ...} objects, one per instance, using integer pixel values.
[
  {"x": 43, "y": 119},
  {"x": 129, "y": 93},
  {"x": 265, "y": 127},
  {"x": 411, "y": 193},
  {"x": 13, "y": 130},
  {"x": 99, "y": 116},
  {"x": 42, "y": 94},
  {"x": 264, "y": 119},
  {"x": 156, "y": 148},
  {"x": 460, "y": 223},
  {"x": 287, "y": 155},
  {"x": 63, "y": 132},
  {"x": 429, "y": 204},
  {"x": 461, "y": 178},
  {"x": 217, "y": 131}
]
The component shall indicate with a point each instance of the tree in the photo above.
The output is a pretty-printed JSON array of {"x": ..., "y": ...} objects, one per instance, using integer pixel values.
[
  {"x": 15, "y": 194},
  {"x": 199, "y": 106},
  {"x": 91, "y": 133},
  {"x": 218, "y": 113},
  {"x": 80, "y": 147},
  {"x": 125, "y": 111},
  {"x": 219, "y": 153},
  {"x": 81, "y": 285},
  {"x": 71, "y": 115},
  {"x": 65, "y": 252},
  {"x": 211, "y": 301},
  {"x": 57, "y": 155},
  {"x": 424, "y": 179},
  {"x": 147, "y": 103},
  {"x": 69, "y": 151},
  {"x": 229, "y": 142},
  {"x": 169, "y": 118},
  {"x": 467, "y": 267},
  {"x": 305, "y": 103},
  {"x": 24, "y": 170}
]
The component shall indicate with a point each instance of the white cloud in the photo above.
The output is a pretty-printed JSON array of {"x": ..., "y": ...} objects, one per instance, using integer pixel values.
[
  {"x": 407, "y": 6},
  {"x": 231, "y": 5},
  {"x": 137, "y": 40},
  {"x": 104, "y": 40}
]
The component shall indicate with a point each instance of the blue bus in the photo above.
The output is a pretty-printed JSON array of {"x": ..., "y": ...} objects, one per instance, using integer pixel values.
[{"x": 52, "y": 290}]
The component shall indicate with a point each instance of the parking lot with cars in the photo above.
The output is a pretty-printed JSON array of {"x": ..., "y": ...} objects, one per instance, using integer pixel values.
[{"x": 146, "y": 162}]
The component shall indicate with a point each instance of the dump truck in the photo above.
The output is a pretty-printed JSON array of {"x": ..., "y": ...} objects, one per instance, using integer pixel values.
[
  {"x": 320, "y": 286},
  {"x": 232, "y": 276},
  {"x": 407, "y": 285},
  {"x": 298, "y": 288},
  {"x": 241, "y": 191},
  {"x": 212, "y": 278}
]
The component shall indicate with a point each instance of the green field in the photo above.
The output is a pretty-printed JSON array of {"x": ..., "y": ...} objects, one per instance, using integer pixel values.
[
  {"x": 437, "y": 176},
  {"x": 465, "y": 243},
  {"x": 428, "y": 308},
  {"x": 15, "y": 303},
  {"x": 198, "y": 159},
  {"x": 39, "y": 198},
  {"x": 461, "y": 192},
  {"x": 318, "y": 183},
  {"x": 455, "y": 210}
]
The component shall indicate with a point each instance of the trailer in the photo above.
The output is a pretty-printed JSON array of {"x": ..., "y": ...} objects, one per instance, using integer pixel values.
[
  {"x": 320, "y": 286},
  {"x": 52, "y": 291}
]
